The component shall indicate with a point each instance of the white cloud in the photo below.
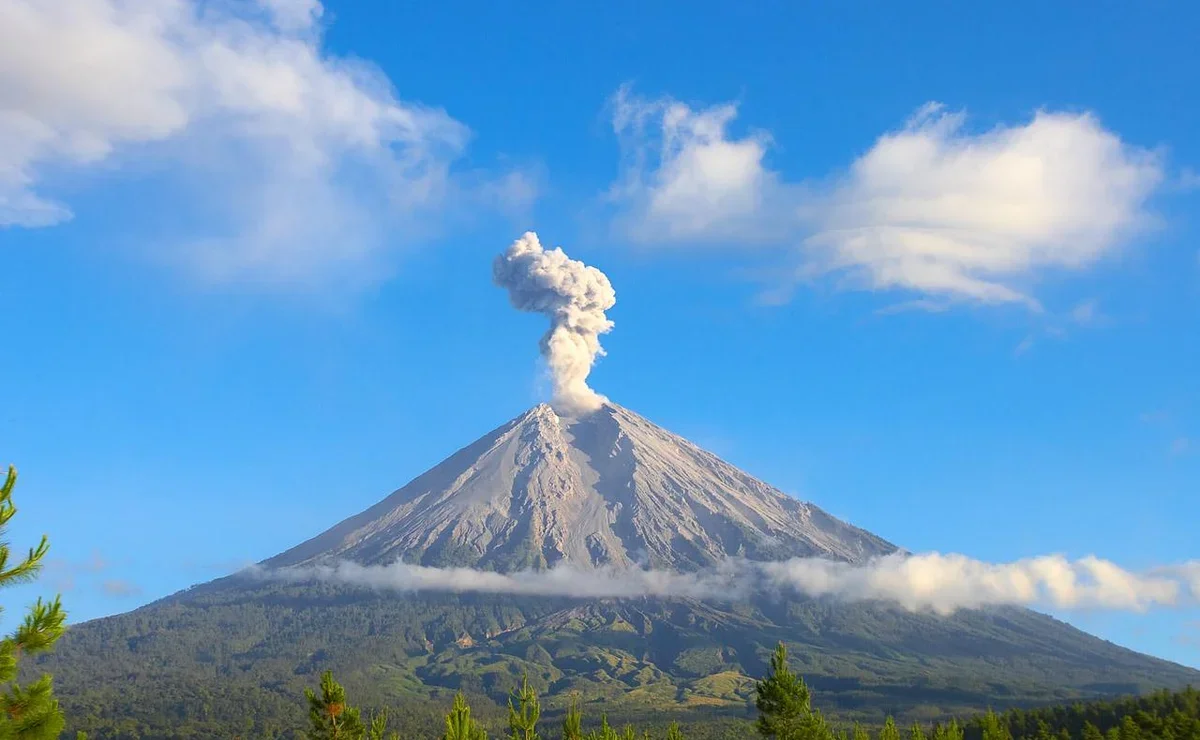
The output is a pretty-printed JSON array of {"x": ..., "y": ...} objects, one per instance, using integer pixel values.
[
  {"x": 299, "y": 160},
  {"x": 120, "y": 588},
  {"x": 923, "y": 582},
  {"x": 931, "y": 208},
  {"x": 63, "y": 573},
  {"x": 294, "y": 15},
  {"x": 684, "y": 178}
]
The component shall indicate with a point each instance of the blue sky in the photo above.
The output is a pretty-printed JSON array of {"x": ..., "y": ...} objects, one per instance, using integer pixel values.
[{"x": 248, "y": 286}]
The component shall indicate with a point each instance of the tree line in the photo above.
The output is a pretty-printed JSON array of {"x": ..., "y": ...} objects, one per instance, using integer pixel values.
[{"x": 785, "y": 712}]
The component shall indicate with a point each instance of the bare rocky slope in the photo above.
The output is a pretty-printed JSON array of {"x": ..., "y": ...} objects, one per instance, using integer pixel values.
[{"x": 609, "y": 488}]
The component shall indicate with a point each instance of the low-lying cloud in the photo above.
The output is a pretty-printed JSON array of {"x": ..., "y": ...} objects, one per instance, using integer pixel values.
[
  {"x": 931, "y": 208},
  {"x": 930, "y": 582}
]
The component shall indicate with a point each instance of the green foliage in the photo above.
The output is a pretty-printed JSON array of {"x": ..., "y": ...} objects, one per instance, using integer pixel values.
[
  {"x": 783, "y": 703},
  {"x": 572, "y": 724},
  {"x": 31, "y": 711},
  {"x": 605, "y": 732},
  {"x": 889, "y": 731},
  {"x": 331, "y": 717},
  {"x": 993, "y": 729},
  {"x": 377, "y": 730},
  {"x": 916, "y": 733},
  {"x": 459, "y": 725},
  {"x": 1162, "y": 714},
  {"x": 673, "y": 732},
  {"x": 951, "y": 731},
  {"x": 523, "y": 717}
]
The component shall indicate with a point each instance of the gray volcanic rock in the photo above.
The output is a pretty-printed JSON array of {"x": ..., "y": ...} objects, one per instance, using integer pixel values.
[{"x": 606, "y": 489}]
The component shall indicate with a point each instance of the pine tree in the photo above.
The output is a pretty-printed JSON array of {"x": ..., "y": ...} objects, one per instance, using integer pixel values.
[
  {"x": 459, "y": 725},
  {"x": 329, "y": 716},
  {"x": 915, "y": 732},
  {"x": 27, "y": 712},
  {"x": 523, "y": 718},
  {"x": 673, "y": 732},
  {"x": 1129, "y": 729},
  {"x": 572, "y": 724},
  {"x": 378, "y": 728},
  {"x": 859, "y": 733},
  {"x": 606, "y": 731},
  {"x": 994, "y": 728},
  {"x": 889, "y": 731},
  {"x": 1091, "y": 732},
  {"x": 784, "y": 705}
]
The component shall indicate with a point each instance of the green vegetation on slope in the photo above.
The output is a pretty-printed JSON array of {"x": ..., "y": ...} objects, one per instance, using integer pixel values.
[
  {"x": 785, "y": 712},
  {"x": 234, "y": 655},
  {"x": 1161, "y": 715}
]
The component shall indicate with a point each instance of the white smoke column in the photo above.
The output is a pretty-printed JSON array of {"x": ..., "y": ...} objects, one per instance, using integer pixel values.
[{"x": 575, "y": 297}]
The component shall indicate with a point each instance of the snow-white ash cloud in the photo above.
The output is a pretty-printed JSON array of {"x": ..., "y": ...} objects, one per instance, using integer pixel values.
[
  {"x": 574, "y": 296},
  {"x": 294, "y": 160},
  {"x": 931, "y": 208},
  {"x": 929, "y": 582}
]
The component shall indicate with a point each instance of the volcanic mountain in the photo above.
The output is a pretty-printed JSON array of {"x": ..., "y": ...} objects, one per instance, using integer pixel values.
[{"x": 606, "y": 489}]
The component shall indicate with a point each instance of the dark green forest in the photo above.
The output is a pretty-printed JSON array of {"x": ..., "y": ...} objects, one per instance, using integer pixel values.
[{"x": 785, "y": 711}]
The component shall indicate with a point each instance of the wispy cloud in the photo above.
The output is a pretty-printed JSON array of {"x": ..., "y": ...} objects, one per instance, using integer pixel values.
[
  {"x": 302, "y": 164},
  {"x": 930, "y": 208},
  {"x": 63, "y": 574},
  {"x": 1087, "y": 313},
  {"x": 925, "y": 582},
  {"x": 120, "y": 588}
]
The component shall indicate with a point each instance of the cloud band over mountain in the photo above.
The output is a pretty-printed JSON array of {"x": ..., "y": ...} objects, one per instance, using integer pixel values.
[{"x": 933, "y": 582}]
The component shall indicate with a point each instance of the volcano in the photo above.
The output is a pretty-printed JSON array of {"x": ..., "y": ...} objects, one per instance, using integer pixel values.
[{"x": 607, "y": 489}]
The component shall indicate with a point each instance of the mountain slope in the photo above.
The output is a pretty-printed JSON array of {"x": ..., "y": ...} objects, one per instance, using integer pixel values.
[{"x": 609, "y": 489}]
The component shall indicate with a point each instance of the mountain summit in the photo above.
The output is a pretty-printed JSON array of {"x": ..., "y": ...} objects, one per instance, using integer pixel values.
[{"x": 608, "y": 488}]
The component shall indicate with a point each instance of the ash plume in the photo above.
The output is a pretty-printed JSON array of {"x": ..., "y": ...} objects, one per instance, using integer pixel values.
[{"x": 574, "y": 296}]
